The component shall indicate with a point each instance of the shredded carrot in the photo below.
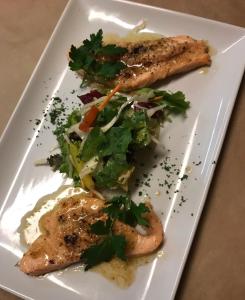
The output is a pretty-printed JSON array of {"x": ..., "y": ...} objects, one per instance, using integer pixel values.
[
  {"x": 89, "y": 118},
  {"x": 109, "y": 96},
  {"x": 91, "y": 115},
  {"x": 84, "y": 127}
]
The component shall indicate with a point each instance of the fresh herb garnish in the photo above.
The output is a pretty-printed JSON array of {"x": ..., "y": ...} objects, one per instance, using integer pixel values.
[
  {"x": 175, "y": 102},
  {"x": 111, "y": 246},
  {"x": 118, "y": 208},
  {"x": 96, "y": 59},
  {"x": 126, "y": 210},
  {"x": 102, "y": 228}
]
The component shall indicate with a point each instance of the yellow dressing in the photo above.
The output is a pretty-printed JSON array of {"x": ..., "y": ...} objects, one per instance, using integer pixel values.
[
  {"x": 132, "y": 36},
  {"x": 120, "y": 272}
]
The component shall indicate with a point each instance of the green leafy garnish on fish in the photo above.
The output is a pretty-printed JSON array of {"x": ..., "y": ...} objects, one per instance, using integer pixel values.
[
  {"x": 120, "y": 208},
  {"x": 91, "y": 57},
  {"x": 124, "y": 209},
  {"x": 111, "y": 246}
]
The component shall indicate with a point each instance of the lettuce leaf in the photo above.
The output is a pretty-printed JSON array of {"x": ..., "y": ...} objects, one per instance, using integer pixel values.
[
  {"x": 117, "y": 141},
  {"x": 94, "y": 142},
  {"x": 107, "y": 175}
]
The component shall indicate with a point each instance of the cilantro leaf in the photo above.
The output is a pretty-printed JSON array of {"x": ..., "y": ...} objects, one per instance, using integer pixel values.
[
  {"x": 97, "y": 254},
  {"x": 137, "y": 211},
  {"x": 77, "y": 56},
  {"x": 113, "y": 245},
  {"x": 121, "y": 200},
  {"x": 101, "y": 228},
  {"x": 95, "y": 43},
  {"x": 176, "y": 102},
  {"x": 88, "y": 57},
  {"x": 110, "y": 69},
  {"x": 113, "y": 211},
  {"x": 124, "y": 209},
  {"x": 119, "y": 245},
  {"x": 112, "y": 50}
]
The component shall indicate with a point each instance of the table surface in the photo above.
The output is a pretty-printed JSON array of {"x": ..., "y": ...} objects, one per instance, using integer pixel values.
[{"x": 215, "y": 268}]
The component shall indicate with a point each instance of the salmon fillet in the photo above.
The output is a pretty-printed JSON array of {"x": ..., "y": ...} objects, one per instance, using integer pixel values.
[
  {"x": 195, "y": 55},
  {"x": 154, "y": 51},
  {"x": 66, "y": 234},
  {"x": 153, "y": 60}
]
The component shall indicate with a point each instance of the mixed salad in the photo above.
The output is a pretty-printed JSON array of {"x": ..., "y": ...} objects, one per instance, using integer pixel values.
[{"x": 99, "y": 140}]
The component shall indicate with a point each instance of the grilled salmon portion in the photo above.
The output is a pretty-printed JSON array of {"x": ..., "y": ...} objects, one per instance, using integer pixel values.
[
  {"x": 152, "y": 60},
  {"x": 66, "y": 234},
  {"x": 154, "y": 51},
  {"x": 195, "y": 55}
]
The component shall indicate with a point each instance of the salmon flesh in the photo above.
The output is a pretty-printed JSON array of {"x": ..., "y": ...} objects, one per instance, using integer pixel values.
[
  {"x": 66, "y": 234},
  {"x": 168, "y": 57},
  {"x": 152, "y": 60}
]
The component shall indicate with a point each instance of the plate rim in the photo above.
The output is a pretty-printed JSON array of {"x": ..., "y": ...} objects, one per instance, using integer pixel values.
[{"x": 217, "y": 151}]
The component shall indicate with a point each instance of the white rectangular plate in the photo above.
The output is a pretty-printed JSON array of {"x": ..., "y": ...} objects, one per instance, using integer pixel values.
[{"x": 194, "y": 143}]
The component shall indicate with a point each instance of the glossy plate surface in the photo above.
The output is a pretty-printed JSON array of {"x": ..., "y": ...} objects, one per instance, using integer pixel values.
[{"x": 194, "y": 144}]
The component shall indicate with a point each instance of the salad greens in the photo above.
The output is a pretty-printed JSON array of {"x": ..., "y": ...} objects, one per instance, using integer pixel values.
[{"x": 103, "y": 157}]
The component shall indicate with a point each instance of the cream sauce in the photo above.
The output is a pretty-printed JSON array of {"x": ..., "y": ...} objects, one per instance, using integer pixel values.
[
  {"x": 30, "y": 229},
  {"x": 131, "y": 36}
]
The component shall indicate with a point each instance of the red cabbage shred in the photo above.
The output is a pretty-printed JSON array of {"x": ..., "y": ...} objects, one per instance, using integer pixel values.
[{"x": 89, "y": 97}]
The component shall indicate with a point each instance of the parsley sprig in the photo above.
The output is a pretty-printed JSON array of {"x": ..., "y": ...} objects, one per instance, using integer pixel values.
[
  {"x": 175, "y": 102},
  {"x": 112, "y": 245},
  {"x": 88, "y": 57},
  {"x": 127, "y": 211}
]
